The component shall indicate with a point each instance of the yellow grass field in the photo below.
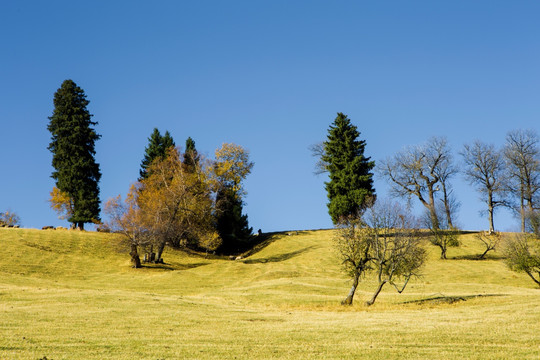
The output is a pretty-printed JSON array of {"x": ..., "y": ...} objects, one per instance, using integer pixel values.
[{"x": 73, "y": 295}]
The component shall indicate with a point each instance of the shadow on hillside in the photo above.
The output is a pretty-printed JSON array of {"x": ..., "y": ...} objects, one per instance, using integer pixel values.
[
  {"x": 278, "y": 258},
  {"x": 443, "y": 299},
  {"x": 476, "y": 257},
  {"x": 265, "y": 239},
  {"x": 174, "y": 267}
]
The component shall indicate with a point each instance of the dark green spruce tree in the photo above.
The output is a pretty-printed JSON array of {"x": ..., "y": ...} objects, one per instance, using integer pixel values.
[
  {"x": 231, "y": 225},
  {"x": 157, "y": 147},
  {"x": 350, "y": 188},
  {"x": 191, "y": 156},
  {"x": 73, "y": 147}
]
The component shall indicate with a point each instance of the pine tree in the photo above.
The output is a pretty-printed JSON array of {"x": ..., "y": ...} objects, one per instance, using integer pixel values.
[
  {"x": 191, "y": 156},
  {"x": 73, "y": 147},
  {"x": 166, "y": 142},
  {"x": 351, "y": 181},
  {"x": 157, "y": 147},
  {"x": 231, "y": 225}
]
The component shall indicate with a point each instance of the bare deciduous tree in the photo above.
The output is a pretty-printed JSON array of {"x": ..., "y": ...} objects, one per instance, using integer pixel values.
[
  {"x": 417, "y": 170},
  {"x": 317, "y": 151},
  {"x": 9, "y": 218},
  {"x": 384, "y": 242},
  {"x": 523, "y": 158},
  {"x": 444, "y": 236},
  {"x": 485, "y": 168},
  {"x": 445, "y": 171},
  {"x": 490, "y": 240},
  {"x": 353, "y": 246},
  {"x": 396, "y": 250},
  {"x": 125, "y": 217}
]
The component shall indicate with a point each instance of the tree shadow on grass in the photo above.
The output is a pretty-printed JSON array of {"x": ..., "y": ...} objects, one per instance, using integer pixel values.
[
  {"x": 443, "y": 299},
  {"x": 171, "y": 267},
  {"x": 476, "y": 257},
  {"x": 278, "y": 258},
  {"x": 265, "y": 239}
]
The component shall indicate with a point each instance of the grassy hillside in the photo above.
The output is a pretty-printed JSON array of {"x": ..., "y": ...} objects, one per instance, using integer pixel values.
[{"x": 72, "y": 295}]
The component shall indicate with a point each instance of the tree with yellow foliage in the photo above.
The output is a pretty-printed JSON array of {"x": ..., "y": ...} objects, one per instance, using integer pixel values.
[
  {"x": 171, "y": 206},
  {"x": 196, "y": 206},
  {"x": 61, "y": 202},
  {"x": 9, "y": 218},
  {"x": 231, "y": 167},
  {"x": 177, "y": 203}
]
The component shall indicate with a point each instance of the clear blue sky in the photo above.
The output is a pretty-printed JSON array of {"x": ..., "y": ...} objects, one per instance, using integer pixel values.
[{"x": 270, "y": 76}]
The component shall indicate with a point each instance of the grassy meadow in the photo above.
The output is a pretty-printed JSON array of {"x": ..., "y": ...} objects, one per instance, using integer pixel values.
[{"x": 73, "y": 295}]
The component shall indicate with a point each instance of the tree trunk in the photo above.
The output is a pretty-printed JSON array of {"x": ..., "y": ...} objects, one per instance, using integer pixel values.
[
  {"x": 80, "y": 226},
  {"x": 448, "y": 216},
  {"x": 484, "y": 254},
  {"x": 447, "y": 208},
  {"x": 135, "y": 260},
  {"x": 522, "y": 209},
  {"x": 379, "y": 288},
  {"x": 160, "y": 251},
  {"x": 432, "y": 211},
  {"x": 533, "y": 218},
  {"x": 349, "y": 299},
  {"x": 534, "y": 279},
  {"x": 443, "y": 252},
  {"x": 490, "y": 213}
]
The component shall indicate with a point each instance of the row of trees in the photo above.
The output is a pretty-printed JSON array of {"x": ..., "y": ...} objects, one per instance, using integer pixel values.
[
  {"x": 508, "y": 177},
  {"x": 377, "y": 241},
  {"x": 180, "y": 199}
]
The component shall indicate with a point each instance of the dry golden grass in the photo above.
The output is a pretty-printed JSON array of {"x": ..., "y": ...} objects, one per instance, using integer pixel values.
[{"x": 72, "y": 295}]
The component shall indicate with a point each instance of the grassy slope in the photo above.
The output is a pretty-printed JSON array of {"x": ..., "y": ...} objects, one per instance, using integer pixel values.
[{"x": 70, "y": 295}]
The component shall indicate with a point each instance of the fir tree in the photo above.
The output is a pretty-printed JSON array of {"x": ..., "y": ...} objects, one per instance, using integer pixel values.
[
  {"x": 231, "y": 225},
  {"x": 351, "y": 181},
  {"x": 166, "y": 142},
  {"x": 157, "y": 147},
  {"x": 191, "y": 156},
  {"x": 73, "y": 147}
]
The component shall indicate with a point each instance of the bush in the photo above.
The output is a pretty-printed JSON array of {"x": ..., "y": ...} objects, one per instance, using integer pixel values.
[
  {"x": 9, "y": 218},
  {"x": 522, "y": 257}
]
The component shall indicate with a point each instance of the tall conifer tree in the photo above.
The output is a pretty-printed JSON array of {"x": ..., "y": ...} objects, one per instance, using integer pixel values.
[
  {"x": 157, "y": 147},
  {"x": 166, "y": 142},
  {"x": 191, "y": 156},
  {"x": 231, "y": 225},
  {"x": 73, "y": 147},
  {"x": 351, "y": 179}
]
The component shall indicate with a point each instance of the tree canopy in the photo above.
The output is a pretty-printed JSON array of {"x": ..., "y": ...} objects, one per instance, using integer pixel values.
[
  {"x": 522, "y": 156},
  {"x": 191, "y": 156},
  {"x": 383, "y": 242},
  {"x": 418, "y": 171},
  {"x": 157, "y": 147}
]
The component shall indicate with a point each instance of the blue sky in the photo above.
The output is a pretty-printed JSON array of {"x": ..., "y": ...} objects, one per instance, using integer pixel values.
[{"x": 270, "y": 76}]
